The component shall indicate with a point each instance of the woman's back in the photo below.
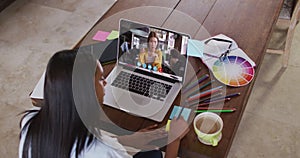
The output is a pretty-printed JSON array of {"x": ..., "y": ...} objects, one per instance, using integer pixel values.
[
  {"x": 56, "y": 130},
  {"x": 105, "y": 148}
]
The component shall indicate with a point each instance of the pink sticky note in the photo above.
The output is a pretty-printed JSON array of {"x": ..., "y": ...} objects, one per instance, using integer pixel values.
[{"x": 101, "y": 36}]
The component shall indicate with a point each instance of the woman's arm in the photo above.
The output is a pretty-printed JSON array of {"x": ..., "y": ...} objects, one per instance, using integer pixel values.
[
  {"x": 142, "y": 57},
  {"x": 142, "y": 138},
  {"x": 172, "y": 149},
  {"x": 178, "y": 129}
]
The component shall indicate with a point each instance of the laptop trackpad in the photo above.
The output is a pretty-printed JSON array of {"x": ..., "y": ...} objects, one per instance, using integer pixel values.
[
  {"x": 138, "y": 105},
  {"x": 141, "y": 101}
]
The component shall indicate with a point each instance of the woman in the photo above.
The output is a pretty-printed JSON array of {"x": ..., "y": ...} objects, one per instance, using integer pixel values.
[
  {"x": 56, "y": 129},
  {"x": 151, "y": 55}
]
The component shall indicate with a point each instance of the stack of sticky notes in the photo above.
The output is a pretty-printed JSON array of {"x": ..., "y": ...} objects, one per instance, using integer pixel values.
[
  {"x": 175, "y": 112},
  {"x": 103, "y": 35}
]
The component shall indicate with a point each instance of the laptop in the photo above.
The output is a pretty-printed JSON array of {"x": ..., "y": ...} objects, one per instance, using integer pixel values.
[{"x": 146, "y": 88}]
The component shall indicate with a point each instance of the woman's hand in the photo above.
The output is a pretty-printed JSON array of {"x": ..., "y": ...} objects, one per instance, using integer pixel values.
[
  {"x": 142, "y": 138},
  {"x": 178, "y": 129}
]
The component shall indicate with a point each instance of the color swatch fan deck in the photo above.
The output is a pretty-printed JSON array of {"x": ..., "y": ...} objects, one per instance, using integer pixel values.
[{"x": 233, "y": 71}]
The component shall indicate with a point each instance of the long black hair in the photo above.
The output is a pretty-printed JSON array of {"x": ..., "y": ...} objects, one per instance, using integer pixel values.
[{"x": 57, "y": 127}]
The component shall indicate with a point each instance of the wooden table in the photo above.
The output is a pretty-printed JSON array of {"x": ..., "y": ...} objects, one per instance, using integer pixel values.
[{"x": 248, "y": 22}]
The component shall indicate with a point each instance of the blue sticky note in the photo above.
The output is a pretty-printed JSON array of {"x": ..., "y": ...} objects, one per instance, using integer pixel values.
[
  {"x": 195, "y": 48},
  {"x": 176, "y": 110}
]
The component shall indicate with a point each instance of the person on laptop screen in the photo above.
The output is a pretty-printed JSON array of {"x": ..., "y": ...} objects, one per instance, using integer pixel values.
[
  {"x": 152, "y": 49},
  {"x": 151, "y": 57},
  {"x": 176, "y": 65}
]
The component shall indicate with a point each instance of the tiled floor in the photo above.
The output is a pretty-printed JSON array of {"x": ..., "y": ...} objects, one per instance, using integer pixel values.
[{"x": 32, "y": 30}]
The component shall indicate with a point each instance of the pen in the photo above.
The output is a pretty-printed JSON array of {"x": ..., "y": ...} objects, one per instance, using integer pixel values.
[
  {"x": 211, "y": 96},
  {"x": 220, "y": 98},
  {"x": 213, "y": 102},
  {"x": 204, "y": 77},
  {"x": 202, "y": 87},
  {"x": 209, "y": 108},
  {"x": 215, "y": 110},
  {"x": 205, "y": 98},
  {"x": 205, "y": 93},
  {"x": 199, "y": 70}
]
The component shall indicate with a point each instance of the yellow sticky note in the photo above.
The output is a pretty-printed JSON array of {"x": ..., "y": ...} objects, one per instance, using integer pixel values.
[{"x": 113, "y": 35}]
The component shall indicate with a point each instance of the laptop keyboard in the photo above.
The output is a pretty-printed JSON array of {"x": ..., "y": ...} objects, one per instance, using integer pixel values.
[{"x": 142, "y": 85}]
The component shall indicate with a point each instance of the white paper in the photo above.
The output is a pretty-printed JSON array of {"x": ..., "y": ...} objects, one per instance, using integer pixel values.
[
  {"x": 214, "y": 49},
  {"x": 38, "y": 91}
]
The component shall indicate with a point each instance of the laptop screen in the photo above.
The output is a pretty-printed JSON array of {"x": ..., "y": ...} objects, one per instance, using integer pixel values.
[{"x": 152, "y": 50}]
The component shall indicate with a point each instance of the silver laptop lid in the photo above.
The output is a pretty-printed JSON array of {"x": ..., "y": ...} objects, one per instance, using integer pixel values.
[{"x": 136, "y": 51}]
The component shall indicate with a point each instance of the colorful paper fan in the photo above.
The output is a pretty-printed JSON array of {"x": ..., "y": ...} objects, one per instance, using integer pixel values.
[{"x": 233, "y": 71}]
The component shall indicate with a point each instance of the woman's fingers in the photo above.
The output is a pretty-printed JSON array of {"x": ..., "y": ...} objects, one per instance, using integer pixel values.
[{"x": 151, "y": 127}]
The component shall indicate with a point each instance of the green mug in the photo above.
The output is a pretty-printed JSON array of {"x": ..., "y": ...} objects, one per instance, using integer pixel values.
[{"x": 208, "y": 127}]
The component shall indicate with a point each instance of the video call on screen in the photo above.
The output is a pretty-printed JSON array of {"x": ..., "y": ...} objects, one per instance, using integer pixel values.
[{"x": 171, "y": 49}]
